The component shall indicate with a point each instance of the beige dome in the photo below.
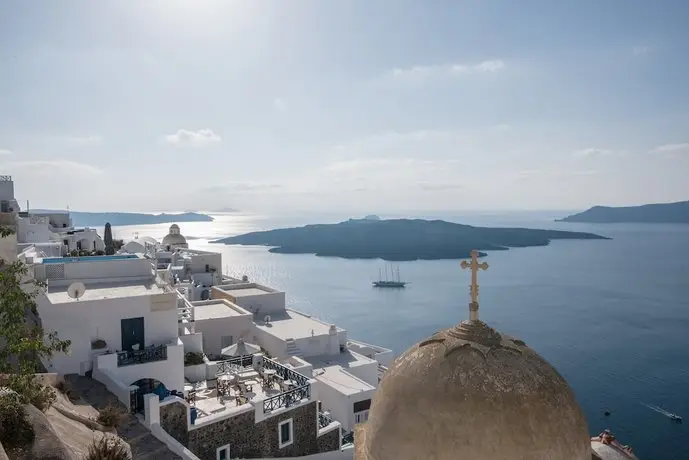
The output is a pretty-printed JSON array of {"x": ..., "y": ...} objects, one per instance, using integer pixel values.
[
  {"x": 174, "y": 238},
  {"x": 472, "y": 393}
]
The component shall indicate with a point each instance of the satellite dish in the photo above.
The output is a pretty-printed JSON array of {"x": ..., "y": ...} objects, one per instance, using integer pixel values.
[{"x": 76, "y": 290}]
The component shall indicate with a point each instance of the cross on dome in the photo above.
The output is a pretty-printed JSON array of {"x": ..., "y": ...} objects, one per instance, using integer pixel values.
[{"x": 475, "y": 266}]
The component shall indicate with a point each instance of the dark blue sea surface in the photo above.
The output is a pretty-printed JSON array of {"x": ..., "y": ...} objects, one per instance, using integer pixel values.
[{"x": 611, "y": 316}]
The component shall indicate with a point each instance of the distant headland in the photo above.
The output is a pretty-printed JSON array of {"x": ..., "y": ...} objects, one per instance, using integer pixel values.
[
  {"x": 97, "y": 219},
  {"x": 399, "y": 239},
  {"x": 660, "y": 213}
]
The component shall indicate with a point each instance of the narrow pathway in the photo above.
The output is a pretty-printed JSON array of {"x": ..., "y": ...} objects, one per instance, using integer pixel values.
[{"x": 144, "y": 445}]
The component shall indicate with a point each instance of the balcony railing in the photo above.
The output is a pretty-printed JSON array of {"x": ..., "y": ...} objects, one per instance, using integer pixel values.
[
  {"x": 235, "y": 364},
  {"x": 323, "y": 420},
  {"x": 147, "y": 355},
  {"x": 348, "y": 438},
  {"x": 287, "y": 399},
  {"x": 285, "y": 372}
]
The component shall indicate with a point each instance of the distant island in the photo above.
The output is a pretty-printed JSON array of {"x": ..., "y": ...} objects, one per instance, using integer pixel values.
[
  {"x": 399, "y": 239},
  {"x": 660, "y": 213},
  {"x": 98, "y": 219}
]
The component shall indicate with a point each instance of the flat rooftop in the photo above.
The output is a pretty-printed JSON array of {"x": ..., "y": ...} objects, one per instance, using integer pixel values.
[
  {"x": 292, "y": 324},
  {"x": 344, "y": 360},
  {"x": 216, "y": 309},
  {"x": 341, "y": 380},
  {"x": 245, "y": 292},
  {"x": 104, "y": 290}
]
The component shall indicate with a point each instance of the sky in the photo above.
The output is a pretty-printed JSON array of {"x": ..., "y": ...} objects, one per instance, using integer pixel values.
[{"x": 364, "y": 106}]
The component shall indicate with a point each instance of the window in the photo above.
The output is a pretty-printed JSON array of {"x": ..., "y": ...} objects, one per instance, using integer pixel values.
[
  {"x": 226, "y": 341},
  {"x": 361, "y": 417},
  {"x": 223, "y": 453},
  {"x": 360, "y": 410},
  {"x": 285, "y": 433}
]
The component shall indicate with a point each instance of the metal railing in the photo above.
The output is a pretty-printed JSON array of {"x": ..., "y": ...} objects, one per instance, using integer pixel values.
[
  {"x": 285, "y": 372},
  {"x": 235, "y": 364},
  {"x": 348, "y": 438},
  {"x": 287, "y": 399},
  {"x": 147, "y": 355},
  {"x": 323, "y": 420}
]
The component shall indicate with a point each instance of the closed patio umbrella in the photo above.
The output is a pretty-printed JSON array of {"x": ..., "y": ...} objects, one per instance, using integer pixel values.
[{"x": 241, "y": 348}]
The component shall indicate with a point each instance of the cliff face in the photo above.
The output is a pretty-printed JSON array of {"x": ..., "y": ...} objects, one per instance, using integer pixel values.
[{"x": 649, "y": 213}]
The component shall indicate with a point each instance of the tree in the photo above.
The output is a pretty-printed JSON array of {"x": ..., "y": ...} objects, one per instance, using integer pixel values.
[
  {"x": 23, "y": 342},
  {"x": 107, "y": 239}
]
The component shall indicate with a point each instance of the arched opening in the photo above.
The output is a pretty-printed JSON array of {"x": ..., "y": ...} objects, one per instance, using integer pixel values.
[
  {"x": 146, "y": 386},
  {"x": 83, "y": 245}
]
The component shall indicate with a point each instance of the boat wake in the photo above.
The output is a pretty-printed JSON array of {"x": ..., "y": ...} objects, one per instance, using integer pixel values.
[{"x": 660, "y": 410}]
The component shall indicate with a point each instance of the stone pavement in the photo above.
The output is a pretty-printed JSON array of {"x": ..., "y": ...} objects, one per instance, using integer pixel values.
[{"x": 144, "y": 445}]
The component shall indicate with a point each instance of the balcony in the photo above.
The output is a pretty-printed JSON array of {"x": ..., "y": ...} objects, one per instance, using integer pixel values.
[
  {"x": 287, "y": 399},
  {"x": 147, "y": 355},
  {"x": 348, "y": 438},
  {"x": 323, "y": 420}
]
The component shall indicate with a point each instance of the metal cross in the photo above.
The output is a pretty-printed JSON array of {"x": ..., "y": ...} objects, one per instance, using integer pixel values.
[{"x": 475, "y": 266}]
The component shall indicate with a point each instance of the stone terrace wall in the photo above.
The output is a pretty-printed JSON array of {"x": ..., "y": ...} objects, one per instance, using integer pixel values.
[
  {"x": 329, "y": 441},
  {"x": 173, "y": 419},
  {"x": 248, "y": 439}
]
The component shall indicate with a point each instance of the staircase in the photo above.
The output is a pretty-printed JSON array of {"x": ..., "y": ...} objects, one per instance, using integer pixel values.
[
  {"x": 144, "y": 445},
  {"x": 292, "y": 349}
]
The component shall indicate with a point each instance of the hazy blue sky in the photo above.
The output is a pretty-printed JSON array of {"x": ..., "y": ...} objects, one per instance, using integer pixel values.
[{"x": 361, "y": 105}]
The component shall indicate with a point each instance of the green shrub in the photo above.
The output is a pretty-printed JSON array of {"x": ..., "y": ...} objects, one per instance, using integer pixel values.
[
  {"x": 107, "y": 448},
  {"x": 30, "y": 390},
  {"x": 192, "y": 358},
  {"x": 100, "y": 252},
  {"x": 74, "y": 253},
  {"x": 111, "y": 416},
  {"x": 15, "y": 429}
]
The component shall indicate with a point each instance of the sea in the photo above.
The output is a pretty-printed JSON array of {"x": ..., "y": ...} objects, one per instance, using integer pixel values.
[{"x": 612, "y": 316}]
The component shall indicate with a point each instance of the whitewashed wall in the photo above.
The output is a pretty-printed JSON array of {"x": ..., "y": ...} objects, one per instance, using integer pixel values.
[
  {"x": 170, "y": 371},
  {"x": 86, "y": 320}
]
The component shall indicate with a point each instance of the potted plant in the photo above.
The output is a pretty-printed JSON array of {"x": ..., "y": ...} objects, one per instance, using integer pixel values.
[{"x": 98, "y": 344}]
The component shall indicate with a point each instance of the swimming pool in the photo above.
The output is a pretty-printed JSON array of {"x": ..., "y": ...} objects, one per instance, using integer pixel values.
[{"x": 69, "y": 260}]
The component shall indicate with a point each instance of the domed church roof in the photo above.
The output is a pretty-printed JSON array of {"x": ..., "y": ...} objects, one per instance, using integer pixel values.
[
  {"x": 174, "y": 238},
  {"x": 470, "y": 392}
]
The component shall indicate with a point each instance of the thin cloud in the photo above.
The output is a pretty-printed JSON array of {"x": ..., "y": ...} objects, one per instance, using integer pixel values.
[
  {"x": 388, "y": 163},
  {"x": 280, "y": 104},
  {"x": 594, "y": 152},
  {"x": 5, "y": 152},
  {"x": 241, "y": 187},
  {"x": 671, "y": 149},
  {"x": 416, "y": 73},
  {"x": 640, "y": 50},
  {"x": 551, "y": 174},
  {"x": 63, "y": 166},
  {"x": 193, "y": 138},
  {"x": 84, "y": 140},
  {"x": 437, "y": 187}
]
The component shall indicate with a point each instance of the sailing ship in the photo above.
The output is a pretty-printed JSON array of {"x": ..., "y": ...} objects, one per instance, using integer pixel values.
[{"x": 387, "y": 283}]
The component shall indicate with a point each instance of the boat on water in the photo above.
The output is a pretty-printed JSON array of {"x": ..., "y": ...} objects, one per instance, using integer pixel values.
[
  {"x": 674, "y": 417},
  {"x": 389, "y": 283}
]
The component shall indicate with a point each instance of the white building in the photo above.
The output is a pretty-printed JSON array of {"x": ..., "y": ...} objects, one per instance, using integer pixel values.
[
  {"x": 8, "y": 203},
  {"x": 134, "y": 317},
  {"x": 121, "y": 320},
  {"x": 222, "y": 323}
]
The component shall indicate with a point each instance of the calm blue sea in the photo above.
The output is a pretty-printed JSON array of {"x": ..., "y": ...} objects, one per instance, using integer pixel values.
[{"x": 611, "y": 316}]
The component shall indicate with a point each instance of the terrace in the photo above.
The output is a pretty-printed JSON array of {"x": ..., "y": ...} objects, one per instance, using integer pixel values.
[{"x": 265, "y": 384}]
